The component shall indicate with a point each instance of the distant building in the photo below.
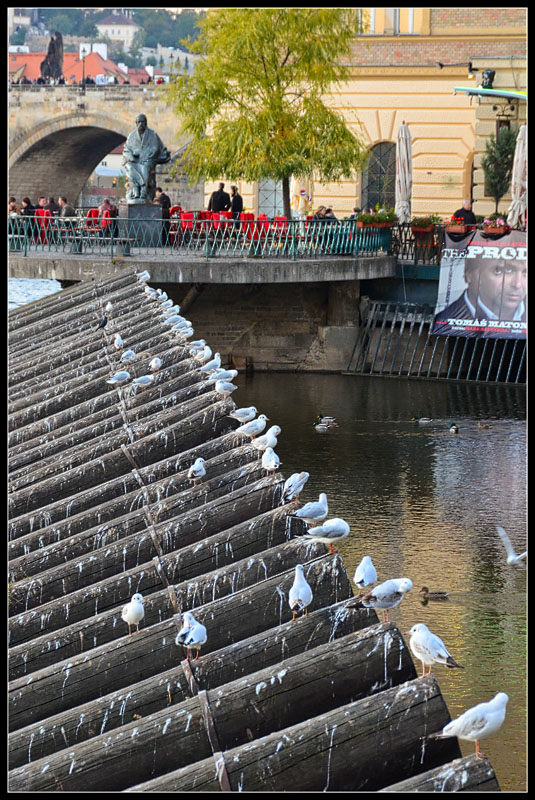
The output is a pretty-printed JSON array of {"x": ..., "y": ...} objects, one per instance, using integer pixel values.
[
  {"x": 118, "y": 28},
  {"x": 28, "y": 65}
]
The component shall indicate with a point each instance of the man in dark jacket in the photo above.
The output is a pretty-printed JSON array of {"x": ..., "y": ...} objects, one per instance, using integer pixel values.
[
  {"x": 219, "y": 200},
  {"x": 236, "y": 202},
  {"x": 466, "y": 214},
  {"x": 52, "y": 206},
  {"x": 163, "y": 199}
]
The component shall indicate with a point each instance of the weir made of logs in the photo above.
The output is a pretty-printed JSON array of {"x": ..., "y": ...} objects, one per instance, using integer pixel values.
[{"x": 101, "y": 507}]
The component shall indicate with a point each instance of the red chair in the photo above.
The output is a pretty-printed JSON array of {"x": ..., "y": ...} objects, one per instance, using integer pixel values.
[
  {"x": 186, "y": 221},
  {"x": 175, "y": 210},
  {"x": 215, "y": 216},
  {"x": 43, "y": 216},
  {"x": 91, "y": 220},
  {"x": 263, "y": 226},
  {"x": 247, "y": 225},
  {"x": 105, "y": 219},
  {"x": 280, "y": 222},
  {"x": 226, "y": 214}
]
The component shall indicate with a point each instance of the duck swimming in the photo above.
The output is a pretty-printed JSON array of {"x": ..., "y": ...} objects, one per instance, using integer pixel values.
[
  {"x": 421, "y": 420},
  {"x": 481, "y": 426},
  {"x": 324, "y": 424},
  {"x": 454, "y": 428},
  {"x": 427, "y": 595}
]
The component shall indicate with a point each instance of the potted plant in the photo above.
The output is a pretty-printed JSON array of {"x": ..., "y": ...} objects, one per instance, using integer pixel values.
[
  {"x": 495, "y": 224},
  {"x": 380, "y": 218},
  {"x": 457, "y": 225},
  {"x": 425, "y": 224}
]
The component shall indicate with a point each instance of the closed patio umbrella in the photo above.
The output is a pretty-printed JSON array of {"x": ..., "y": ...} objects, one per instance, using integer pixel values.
[
  {"x": 517, "y": 209},
  {"x": 300, "y": 195},
  {"x": 403, "y": 173}
]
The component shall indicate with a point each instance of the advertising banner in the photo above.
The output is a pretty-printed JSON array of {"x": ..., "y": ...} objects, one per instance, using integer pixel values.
[{"x": 482, "y": 286}]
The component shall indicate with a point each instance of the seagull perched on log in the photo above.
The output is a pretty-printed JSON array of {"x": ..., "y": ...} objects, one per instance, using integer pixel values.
[
  {"x": 331, "y": 531},
  {"x": 120, "y": 377},
  {"x": 133, "y": 612},
  {"x": 224, "y": 388},
  {"x": 197, "y": 471},
  {"x": 268, "y": 439},
  {"x": 118, "y": 342},
  {"x": 315, "y": 511},
  {"x": 192, "y": 634},
  {"x": 429, "y": 648},
  {"x": 386, "y": 595},
  {"x": 365, "y": 573},
  {"x": 293, "y": 487},
  {"x": 244, "y": 414},
  {"x": 155, "y": 364},
  {"x": 143, "y": 276},
  {"x": 167, "y": 304},
  {"x": 254, "y": 427},
  {"x": 128, "y": 356},
  {"x": 143, "y": 381},
  {"x": 300, "y": 596},
  {"x": 222, "y": 375},
  {"x": 270, "y": 460},
  {"x": 108, "y": 307},
  {"x": 215, "y": 363},
  {"x": 477, "y": 723}
]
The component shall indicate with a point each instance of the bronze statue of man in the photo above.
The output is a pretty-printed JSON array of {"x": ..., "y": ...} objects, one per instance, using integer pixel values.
[{"x": 142, "y": 151}]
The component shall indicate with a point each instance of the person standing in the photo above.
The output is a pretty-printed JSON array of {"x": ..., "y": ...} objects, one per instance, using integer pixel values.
[
  {"x": 466, "y": 214},
  {"x": 219, "y": 200},
  {"x": 236, "y": 202},
  {"x": 164, "y": 201}
]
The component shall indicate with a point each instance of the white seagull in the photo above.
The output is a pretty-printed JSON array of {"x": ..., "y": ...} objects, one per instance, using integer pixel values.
[
  {"x": 477, "y": 723},
  {"x": 365, "y": 574},
  {"x": 118, "y": 342},
  {"x": 300, "y": 595},
  {"x": 215, "y": 363},
  {"x": 143, "y": 276},
  {"x": 314, "y": 512},
  {"x": 133, "y": 612},
  {"x": 268, "y": 439},
  {"x": 244, "y": 414},
  {"x": 128, "y": 356},
  {"x": 192, "y": 634},
  {"x": 167, "y": 304},
  {"x": 143, "y": 380},
  {"x": 331, "y": 531},
  {"x": 175, "y": 319},
  {"x": 222, "y": 375},
  {"x": 155, "y": 364},
  {"x": 197, "y": 471},
  {"x": 201, "y": 354},
  {"x": 386, "y": 595},
  {"x": 108, "y": 307},
  {"x": 224, "y": 388},
  {"x": 184, "y": 333},
  {"x": 270, "y": 460},
  {"x": 512, "y": 557},
  {"x": 162, "y": 296},
  {"x": 293, "y": 487},
  {"x": 171, "y": 311},
  {"x": 120, "y": 377},
  {"x": 429, "y": 648},
  {"x": 254, "y": 427}
]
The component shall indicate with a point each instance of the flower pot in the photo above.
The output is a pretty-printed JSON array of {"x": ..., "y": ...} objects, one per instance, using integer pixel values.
[
  {"x": 383, "y": 224},
  {"x": 457, "y": 228},
  {"x": 422, "y": 228},
  {"x": 496, "y": 229},
  {"x": 365, "y": 224}
]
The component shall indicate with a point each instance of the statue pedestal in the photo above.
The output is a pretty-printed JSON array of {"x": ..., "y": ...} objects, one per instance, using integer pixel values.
[{"x": 141, "y": 223}]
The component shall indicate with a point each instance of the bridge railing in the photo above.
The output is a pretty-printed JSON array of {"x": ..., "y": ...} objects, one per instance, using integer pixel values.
[{"x": 211, "y": 238}]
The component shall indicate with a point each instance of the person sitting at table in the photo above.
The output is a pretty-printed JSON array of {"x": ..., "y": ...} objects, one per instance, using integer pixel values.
[
  {"x": 52, "y": 206},
  {"x": 320, "y": 213},
  {"x": 106, "y": 205},
  {"x": 27, "y": 209},
  {"x": 13, "y": 208},
  {"x": 66, "y": 209}
]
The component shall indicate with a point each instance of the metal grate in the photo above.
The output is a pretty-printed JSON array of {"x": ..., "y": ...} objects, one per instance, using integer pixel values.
[{"x": 394, "y": 340}]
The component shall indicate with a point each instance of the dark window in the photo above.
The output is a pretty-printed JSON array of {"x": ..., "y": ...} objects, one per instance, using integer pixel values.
[{"x": 379, "y": 177}]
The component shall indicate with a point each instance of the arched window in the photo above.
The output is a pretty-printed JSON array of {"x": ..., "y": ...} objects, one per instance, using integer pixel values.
[{"x": 379, "y": 177}]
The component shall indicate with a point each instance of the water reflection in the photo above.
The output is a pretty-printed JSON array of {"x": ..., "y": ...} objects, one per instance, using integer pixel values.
[{"x": 424, "y": 503}]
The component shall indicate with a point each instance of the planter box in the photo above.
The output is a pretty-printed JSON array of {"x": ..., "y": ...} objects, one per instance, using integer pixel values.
[
  {"x": 422, "y": 228},
  {"x": 374, "y": 224},
  {"x": 457, "y": 228},
  {"x": 496, "y": 229}
]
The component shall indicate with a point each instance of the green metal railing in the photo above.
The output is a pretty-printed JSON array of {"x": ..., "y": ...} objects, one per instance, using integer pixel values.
[{"x": 205, "y": 238}]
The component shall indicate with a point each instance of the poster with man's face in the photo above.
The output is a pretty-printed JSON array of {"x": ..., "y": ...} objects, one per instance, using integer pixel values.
[{"x": 482, "y": 287}]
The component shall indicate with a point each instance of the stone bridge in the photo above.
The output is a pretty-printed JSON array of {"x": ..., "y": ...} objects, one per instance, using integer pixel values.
[{"x": 58, "y": 134}]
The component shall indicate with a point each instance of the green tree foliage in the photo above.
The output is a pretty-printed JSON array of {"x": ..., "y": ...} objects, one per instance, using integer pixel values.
[
  {"x": 497, "y": 163},
  {"x": 18, "y": 36},
  {"x": 252, "y": 108},
  {"x": 161, "y": 27}
]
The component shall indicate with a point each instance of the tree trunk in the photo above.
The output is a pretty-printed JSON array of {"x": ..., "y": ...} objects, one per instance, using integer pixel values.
[{"x": 286, "y": 200}]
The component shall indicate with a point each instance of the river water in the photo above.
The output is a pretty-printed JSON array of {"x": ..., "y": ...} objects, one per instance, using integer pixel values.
[{"x": 423, "y": 503}]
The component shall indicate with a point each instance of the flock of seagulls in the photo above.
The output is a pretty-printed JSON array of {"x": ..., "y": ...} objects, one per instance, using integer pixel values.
[{"x": 474, "y": 724}]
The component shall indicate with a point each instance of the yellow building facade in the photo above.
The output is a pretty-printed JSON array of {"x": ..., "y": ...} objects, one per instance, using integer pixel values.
[{"x": 404, "y": 67}]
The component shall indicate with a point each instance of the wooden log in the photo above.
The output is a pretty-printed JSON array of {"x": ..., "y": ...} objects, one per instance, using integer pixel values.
[
  {"x": 239, "y": 541},
  {"x": 130, "y": 659},
  {"x": 85, "y": 291},
  {"x": 90, "y": 501},
  {"x": 322, "y": 627},
  {"x": 357, "y": 747},
  {"x": 61, "y": 419},
  {"x": 468, "y": 774},
  {"x": 72, "y": 451},
  {"x": 87, "y": 633},
  {"x": 243, "y": 709},
  {"x": 340, "y": 750},
  {"x": 153, "y": 448},
  {"x": 118, "y": 552},
  {"x": 178, "y": 389}
]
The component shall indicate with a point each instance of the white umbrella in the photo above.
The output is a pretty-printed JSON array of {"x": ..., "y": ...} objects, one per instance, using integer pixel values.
[
  {"x": 517, "y": 208},
  {"x": 403, "y": 173},
  {"x": 300, "y": 195}
]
